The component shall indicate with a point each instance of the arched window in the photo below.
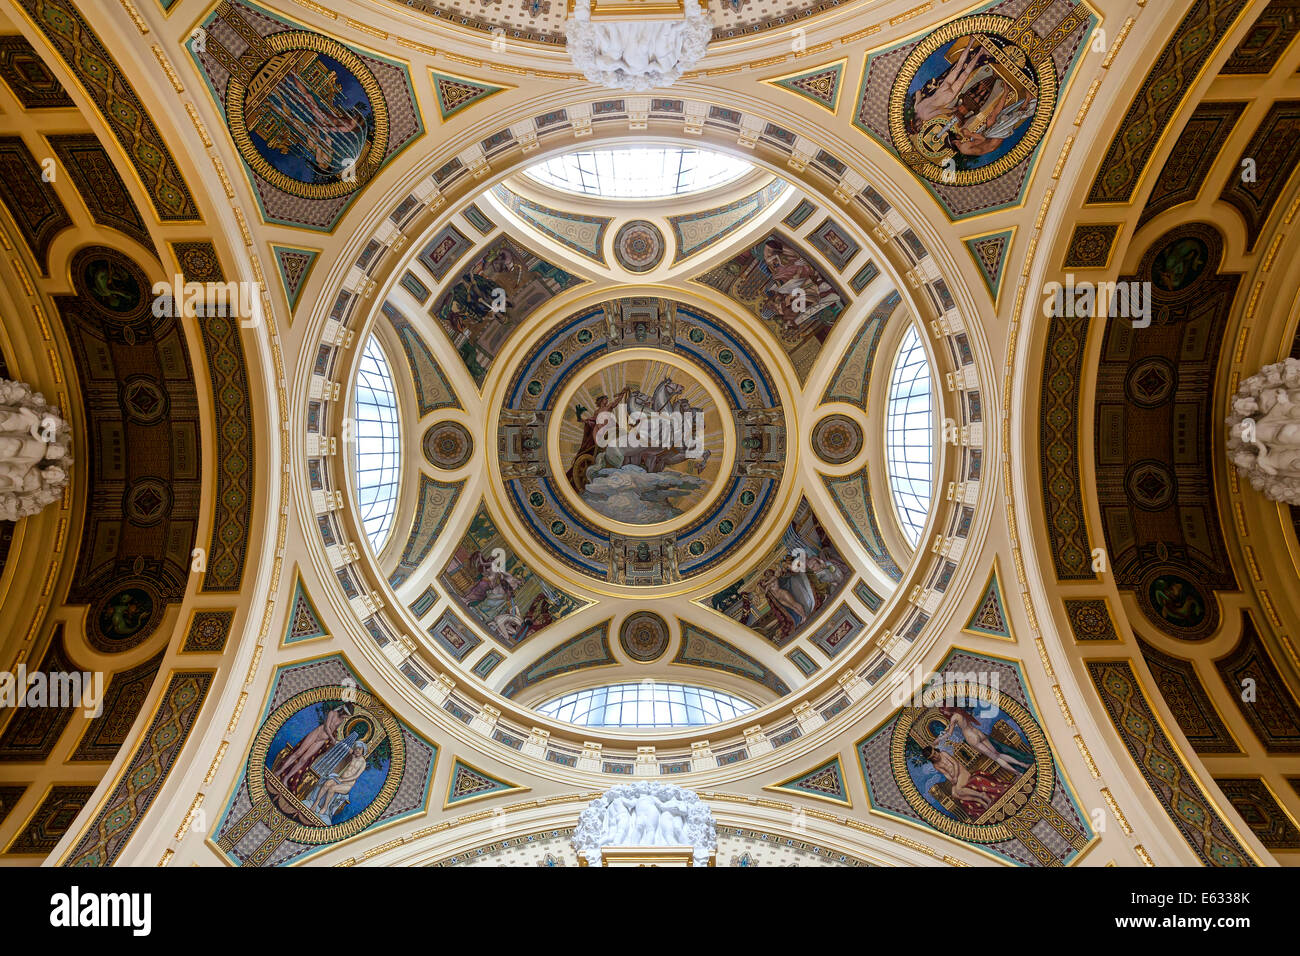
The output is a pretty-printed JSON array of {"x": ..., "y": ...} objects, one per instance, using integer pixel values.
[
  {"x": 378, "y": 444},
  {"x": 638, "y": 172},
  {"x": 646, "y": 705},
  {"x": 909, "y": 436}
]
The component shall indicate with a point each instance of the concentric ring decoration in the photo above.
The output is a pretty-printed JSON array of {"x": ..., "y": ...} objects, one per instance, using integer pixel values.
[
  {"x": 639, "y": 246},
  {"x": 680, "y": 335},
  {"x": 257, "y": 769},
  {"x": 1033, "y": 784},
  {"x": 363, "y": 166},
  {"x": 995, "y": 34}
]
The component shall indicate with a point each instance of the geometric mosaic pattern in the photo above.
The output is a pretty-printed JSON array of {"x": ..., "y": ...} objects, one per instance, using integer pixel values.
[
  {"x": 1159, "y": 96},
  {"x": 432, "y": 390},
  {"x": 10, "y": 794},
  {"x": 135, "y": 792},
  {"x": 304, "y": 620},
  {"x": 697, "y": 231},
  {"x": 1157, "y": 759},
  {"x": 582, "y": 234},
  {"x": 126, "y": 695},
  {"x": 990, "y": 255},
  {"x": 1059, "y": 449},
  {"x": 456, "y": 93},
  {"x": 435, "y": 504},
  {"x": 821, "y": 84},
  {"x": 100, "y": 186},
  {"x": 469, "y": 783},
  {"x": 1266, "y": 40},
  {"x": 117, "y": 101},
  {"x": 823, "y": 782},
  {"x": 1275, "y": 149},
  {"x": 699, "y": 648},
  {"x": 51, "y": 820},
  {"x": 1192, "y": 157},
  {"x": 1090, "y": 246},
  {"x": 35, "y": 207},
  {"x": 851, "y": 380},
  {"x": 1090, "y": 620},
  {"x": 989, "y": 617},
  {"x": 32, "y": 732},
  {"x": 32, "y": 82},
  {"x": 1272, "y": 713},
  {"x": 294, "y": 266},
  {"x": 1188, "y": 702},
  {"x": 223, "y": 347},
  {"x": 588, "y": 649},
  {"x": 1252, "y": 799},
  {"x": 208, "y": 633}
]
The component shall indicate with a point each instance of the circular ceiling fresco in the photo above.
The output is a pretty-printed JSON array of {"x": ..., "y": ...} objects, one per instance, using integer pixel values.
[{"x": 642, "y": 441}]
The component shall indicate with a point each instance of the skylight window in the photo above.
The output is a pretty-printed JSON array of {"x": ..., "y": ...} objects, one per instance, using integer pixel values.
[
  {"x": 378, "y": 444},
  {"x": 646, "y": 705},
  {"x": 909, "y": 436},
  {"x": 638, "y": 172}
]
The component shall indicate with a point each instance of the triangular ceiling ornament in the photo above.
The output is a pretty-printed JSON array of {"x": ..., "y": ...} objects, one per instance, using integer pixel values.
[
  {"x": 990, "y": 255},
  {"x": 304, "y": 619},
  {"x": 469, "y": 783},
  {"x": 823, "y": 782},
  {"x": 456, "y": 93},
  {"x": 989, "y": 619},
  {"x": 821, "y": 84},
  {"x": 295, "y": 266}
]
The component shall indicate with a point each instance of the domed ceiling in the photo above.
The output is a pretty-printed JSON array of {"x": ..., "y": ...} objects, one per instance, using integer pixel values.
[
  {"x": 638, "y": 430},
  {"x": 560, "y": 435}
]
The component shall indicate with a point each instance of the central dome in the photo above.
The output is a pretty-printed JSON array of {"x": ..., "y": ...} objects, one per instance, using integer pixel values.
[
  {"x": 641, "y": 441},
  {"x": 688, "y": 442}
]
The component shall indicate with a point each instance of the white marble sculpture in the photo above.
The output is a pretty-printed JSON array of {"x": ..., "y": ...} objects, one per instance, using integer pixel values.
[
  {"x": 646, "y": 814},
  {"x": 637, "y": 54},
  {"x": 34, "y": 459},
  {"x": 1264, "y": 431}
]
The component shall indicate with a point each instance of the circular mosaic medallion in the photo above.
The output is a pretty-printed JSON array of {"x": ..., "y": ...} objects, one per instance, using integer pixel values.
[
  {"x": 114, "y": 285},
  {"x": 644, "y": 443},
  {"x": 837, "y": 439},
  {"x": 639, "y": 246},
  {"x": 970, "y": 103},
  {"x": 312, "y": 120},
  {"x": 1176, "y": 604},
  {"x": 630, "y": 451},
  {"x": 282, "y": 777},
  {"x": 448, "y": 445},
  {"x": 932, "y": 745},
  {"x": 124, "y": 618},
  {"x": 644, "y": 636},
  {"x": 1179, "y": 264}
]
